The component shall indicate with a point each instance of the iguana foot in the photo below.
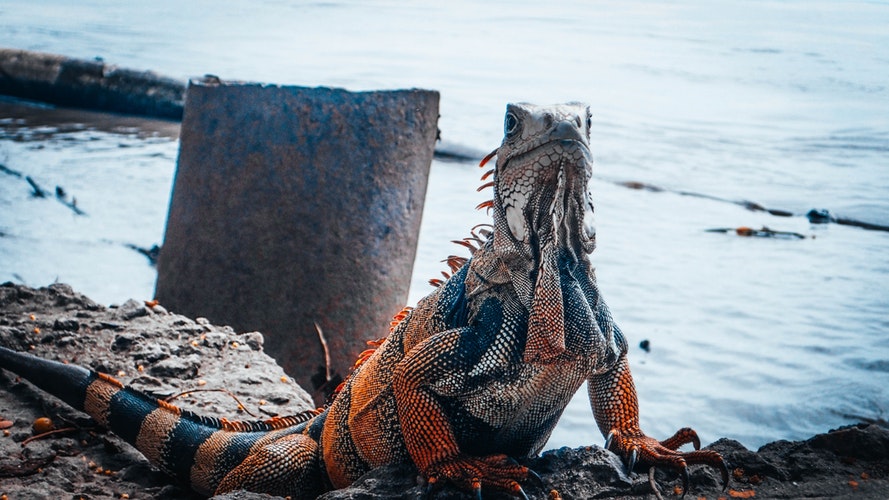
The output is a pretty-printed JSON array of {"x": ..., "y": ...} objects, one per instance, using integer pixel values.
[
  {"x": 473, "y": 473},
  {"x": 636, "y": 446}
]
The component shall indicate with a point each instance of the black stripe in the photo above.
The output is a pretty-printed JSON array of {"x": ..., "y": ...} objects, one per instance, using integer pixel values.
[
  {"x": 317, "y": 426},
  {"x": 73, "y": 391},
  {"x": 453, "y": 299},
  {"x": 126, "y": 412},
  {"x": 66, "y": 382},
  {"x": 234, "y": 453},
  {"x": 181, "y": 446}
]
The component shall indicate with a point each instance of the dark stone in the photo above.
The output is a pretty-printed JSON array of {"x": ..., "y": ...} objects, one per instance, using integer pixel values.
[
  {"x": 818, "y": 216},
  {"x": 123, "y": 342},
  {"x": 294, "y": 207},
  {"x": 862, "y": 442},
  {"x": 66, "y": 325},
  {"x": 176, "y": 368},
  {"x": 133, "y": 309},
  {"x": 752, "y": 463}
]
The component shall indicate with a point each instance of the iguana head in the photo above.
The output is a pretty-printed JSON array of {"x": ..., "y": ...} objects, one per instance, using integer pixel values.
[
  {"x": 541, "y": 202},
  {"x": 543, "y": 167},
  {"x": 543, "y": 212}
]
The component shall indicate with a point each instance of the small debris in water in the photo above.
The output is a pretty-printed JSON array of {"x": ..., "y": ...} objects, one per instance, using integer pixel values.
[
  {"x": 763, "y": 232},
  {"x": 151, "y": 253},
  {"x": 38, "y": 191}
]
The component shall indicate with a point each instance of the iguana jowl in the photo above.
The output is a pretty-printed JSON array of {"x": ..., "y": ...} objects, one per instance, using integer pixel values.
[{"x": 478, "y": 373}]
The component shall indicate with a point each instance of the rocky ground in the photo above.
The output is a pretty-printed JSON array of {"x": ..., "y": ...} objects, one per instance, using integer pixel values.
[{"x": 167, "y": 354}]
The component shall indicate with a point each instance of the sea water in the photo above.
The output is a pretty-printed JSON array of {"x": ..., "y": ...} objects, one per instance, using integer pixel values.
[{"x": 780, "y": 103}]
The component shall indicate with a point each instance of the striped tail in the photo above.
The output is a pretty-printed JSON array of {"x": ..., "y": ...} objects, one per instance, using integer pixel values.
[{"x": 199, "y": 451}]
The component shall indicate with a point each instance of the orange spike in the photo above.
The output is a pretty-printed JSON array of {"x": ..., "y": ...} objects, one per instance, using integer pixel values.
[
  {"x": 226, "y": 425},
  {"x": 485, "y": 185},
  {"x": 168, "y": 406},
  {"x": 486, "y": 159},
  {"x": 364, "y": 356},
  {"x": 436, "y": 282},
  {"x": 476, "y": 239},
  {"x": 485, "y": 204},
  {"x": 456, "y": 262},
  {"x": 482, "y": 232},
  {"x": 488, "y": 174},
  {"x": 398, "y": 318},
  {"x": 466, "y": 244},
  {"x": 111, "y": 380}
]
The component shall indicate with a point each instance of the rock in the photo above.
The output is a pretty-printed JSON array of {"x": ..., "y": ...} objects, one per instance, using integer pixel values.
[
  {"x": 133, "y": 309},
  {"x": 66, "y": 324},
  {"x": 161, "y": 354},
  {"x": 847, "y": 463},
  {"x": 855, "y": 442},
  {"x": 243, "y": 495}
]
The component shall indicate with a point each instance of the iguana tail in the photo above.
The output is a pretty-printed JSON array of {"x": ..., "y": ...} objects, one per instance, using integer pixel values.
[{"x": 199, "y": 451}]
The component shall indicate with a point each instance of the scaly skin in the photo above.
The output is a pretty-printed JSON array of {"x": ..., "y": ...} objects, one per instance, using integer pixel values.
[{"x": 476, "y": 375}]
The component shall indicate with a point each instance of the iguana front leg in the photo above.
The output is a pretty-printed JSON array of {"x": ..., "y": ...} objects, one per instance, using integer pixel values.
[
  {"x": 432, "y": 371},
  {"x": 616, "y": 408}
]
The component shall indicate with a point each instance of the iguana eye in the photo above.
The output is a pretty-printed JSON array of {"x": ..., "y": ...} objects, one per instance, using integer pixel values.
[
  {"x": 510, "y": 124},
  {"x": 589, "y": 122}
]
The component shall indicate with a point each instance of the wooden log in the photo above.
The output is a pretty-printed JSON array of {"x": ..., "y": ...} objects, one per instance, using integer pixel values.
[{"x": 89, "y": 84}]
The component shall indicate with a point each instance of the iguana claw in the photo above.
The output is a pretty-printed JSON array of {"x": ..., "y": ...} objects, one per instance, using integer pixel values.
[
  {"x": 472, "y": 473},
  {"x": 631, "y": 460},
  {"x": 637, "y": 447},
  {"x": 477, "y": 488},
  {"x": 522, "y": 493},
  {"x": 531, "y": 474},
  {"x": 684, "y": 474},
  {"x": 536, "y": 477},
  {"x": 723, "y": 469},
  {"x": 430, "y": 487}
]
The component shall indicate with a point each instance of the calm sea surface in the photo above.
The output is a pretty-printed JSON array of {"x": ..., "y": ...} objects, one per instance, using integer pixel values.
[{"x": 781, "y": 103}]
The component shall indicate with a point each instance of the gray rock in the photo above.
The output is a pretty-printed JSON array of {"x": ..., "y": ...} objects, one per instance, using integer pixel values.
[
  {"x": 167, "y": 343},
  {"x": 133, "y": 309},
  {"x": 848, "y": 463},
  {"x": 66, "y": 324}
]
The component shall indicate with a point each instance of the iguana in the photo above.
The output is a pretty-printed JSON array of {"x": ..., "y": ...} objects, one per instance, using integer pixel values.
[{"x": 473, "y": 377}]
